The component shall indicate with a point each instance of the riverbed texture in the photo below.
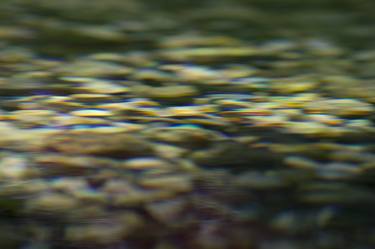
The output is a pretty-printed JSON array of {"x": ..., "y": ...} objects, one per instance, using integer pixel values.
[{"x": 130, "y": 124}]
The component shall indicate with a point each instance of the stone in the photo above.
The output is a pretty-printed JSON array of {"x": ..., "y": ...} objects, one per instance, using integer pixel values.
[
  {"x": 96, "y": 86},
  {"x": 139, "y": 198},
  {"x": 145, "y": 163},
  {"x": 184, "y": 135},
  {"x": 340, "y": 107},
  {"x": 174, "y": 183},
  {"x": 32, "y": 118},
  {"x": 121, "y": 145},
  {"x": 282, "y": 87},
  {"x": 194, "y": 40},
  {"x": 165, "y": 92},
  {"x": 52, "y": 203},
  {"x": 168, "y": 211},
  {"x": 91, "y": 97},
  {"x": 92, "y": 69},
  {"x": 91, "y": 113},
  {"x": 208, "y": 54},
  {"x": 101, "y": 234},
  {"x": 16, "y": 168}
]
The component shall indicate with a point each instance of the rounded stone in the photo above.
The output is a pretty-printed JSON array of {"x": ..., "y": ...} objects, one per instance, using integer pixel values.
[
  {"x": 174, "y": 183},
  {"x": 52, "y": 203},
  {"x": 340, "y": 107},
  {"x": 120, "y": 145},
  {"x": 91, "y": 113},
  {"x": 145, "y": 163}
]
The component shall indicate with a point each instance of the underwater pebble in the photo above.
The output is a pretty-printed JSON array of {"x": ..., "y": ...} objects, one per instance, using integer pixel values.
[
  {"x": 68, "y": 185},
  {"x": 165, "y": 92},
  {"x": 92, "y": 69},
  {"x": 293, "y": 87},
  {"x": 300, "y": 163},
  {"x": 89, "y": 143},
  {"x": 145, "y": 163},
  {"x": 175, "y": 183},
  {"x": 191, "y": 40},
  {"x": 186, "y": 135},
  {"x": 52, "y": 203},
  {"x": 91, "y": 113},
  {"x": 140, "y": 197},
  {"x": 94, "y": 233},
  {"x": 91, "y": 97},
  {"x": 208, "y": 54},
  {"x": 167, "y": 211},
  {"x": 314, "y": 129},
  {"x": 101, "y": 87},
  {"x": 325, "y": 119},
  {"x": 340, "y": 107},
  {"x": 168, "y": 151},
  {"x": 33, "y": 118},
  {"x": 256, "y": 180},
  {"x": 193, "y": 73},
  {"x": 16, "y": 168}
]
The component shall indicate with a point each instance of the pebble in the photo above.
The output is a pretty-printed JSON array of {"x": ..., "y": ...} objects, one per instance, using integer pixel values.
[
  {"x": 91, "y": 113},
  {"x": 101, "y": 234},
  {"x": 346, "y": 86},
  {"x": 66, "y": 163},
  {"x": 71, "y": 120},
  {"x": 101, "y": 87},
  {"x": 117, "y": 186},
  {"x": 107, "y": 56},
  {"x": 16, "y": 168},
  {"x": 183, "y": 111},
  {"x": 68, "y": 185},
  {"x": 141, "y": 197},
  {"x": 14, "y": 33},
  {"x": 175, "y": 183},
  {"x": 194, "y": 73},
  {"x": 314, "y": 129},
  {"x": 145, "y": 163},
  {"x": 193, "y": 40},
  {"x": 237, "y": 72},
  {"x": 62, "y": 104},
  {"x": 167, "y": 211},
  {"x": 52, "y": 203},
  {"x": 334, "y": 171},
  {"x": 91, "y": 143},
  {"x": 166, "y": 92},
  {"x": 152, "y": 74},
  {"x": 282, "y": 87},
  {"x": 101, "y": 33},
  {"x": 90, "y": 196},
  {"x": 92, "y": 69},
  {"x": 91, "y": 97},
  {"x": 32, "y": 118},
  {"x": 184, "y": 135},
  {"x": 300, "y": 163},
  {"x": 87, "y": 213},
  {"x": 208, "y": 54},
  {"x": 325, "y": 119},
  {"x": 340, "y": 107},
  {"x": 169, "y": 151},
  {"x": 337, "y": 194},
  {"x": 254, "y": 180},
  {"x": 268, "y": 121}
]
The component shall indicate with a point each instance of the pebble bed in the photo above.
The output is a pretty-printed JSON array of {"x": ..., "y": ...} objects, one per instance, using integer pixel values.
[{"x": 121, "y": 130}]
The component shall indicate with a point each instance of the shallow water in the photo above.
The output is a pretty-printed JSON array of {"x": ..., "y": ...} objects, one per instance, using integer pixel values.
[{"x": 187, "y": 124}]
